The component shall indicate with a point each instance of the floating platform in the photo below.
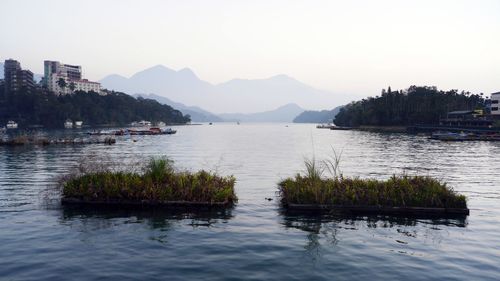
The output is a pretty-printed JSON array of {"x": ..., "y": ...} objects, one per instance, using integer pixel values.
[
  {"x": 147, "y": 204},
  {"x": 379, "y": 209},
  {"x": 341, "y": 128},
  {"x": 134, "y": 132},
  {"x": 42, "y": 141}
]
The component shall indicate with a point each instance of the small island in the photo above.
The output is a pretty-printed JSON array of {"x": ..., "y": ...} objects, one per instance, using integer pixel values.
[
  {"x": 398, "y": 195},
  {"x": 160, "y": 185}
]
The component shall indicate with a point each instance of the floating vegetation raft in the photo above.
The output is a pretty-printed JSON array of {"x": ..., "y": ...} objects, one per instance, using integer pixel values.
[
  {"x": 25, "y": 140},
  {"x": 159, "y": 185},
  {"x": 398, "y": 195}
]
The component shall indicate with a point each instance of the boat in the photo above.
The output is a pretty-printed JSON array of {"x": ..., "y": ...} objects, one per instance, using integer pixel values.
[
  {"x": 451, "y": 136},
  {"x": 463, "y": 136},
  {"x": 68, "y": 124},
  {"x": 340, "y": 128},
  {"x": 169, "y": 131},
  {"x": 3, "y": 130},
  {"x": 160, "y": 124},
  {"x": 151, "y": 131},
  {"x": 142, "y": 123},
  {"x": 78, "y": 124},
  {"x": 324, "y": 126},
  {"x": 11, "y": 125}
]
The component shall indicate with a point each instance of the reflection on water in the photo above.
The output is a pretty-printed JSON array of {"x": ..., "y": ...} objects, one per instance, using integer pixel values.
[
  {"x": 155, "y": 218},
  {"x": 324, "y": 230},
  {"x": 315, "y": 222}
]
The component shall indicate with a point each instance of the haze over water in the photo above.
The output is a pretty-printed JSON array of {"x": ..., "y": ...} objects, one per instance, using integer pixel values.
[{"x": 255, "y": 240}]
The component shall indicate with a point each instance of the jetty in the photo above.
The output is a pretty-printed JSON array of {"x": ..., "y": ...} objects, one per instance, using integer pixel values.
[{"x": 23, "y": 140}]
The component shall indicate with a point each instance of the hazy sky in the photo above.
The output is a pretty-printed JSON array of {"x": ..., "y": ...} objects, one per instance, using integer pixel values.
[{"x": 349, "y": 47}]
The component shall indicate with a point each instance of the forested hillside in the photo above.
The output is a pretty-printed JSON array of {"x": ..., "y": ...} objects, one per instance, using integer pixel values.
[
  {"x": 42, "y": 108},
  {"x": 416, "y": 105},
  {"x": 313, "y": 116}
]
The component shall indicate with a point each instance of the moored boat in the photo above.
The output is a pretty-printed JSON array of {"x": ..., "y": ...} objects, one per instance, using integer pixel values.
[
  {"x": 152, "y": 131},
  {"x": 340, "y": 128},
  {"x": 68, "y": 124},
  {"x": 451, "y": 136},
  {"x": 324, "y": 126},
  {"x": 463, "y": 136},
  {"x": 11, "y": 125},
  {"x": 78, "y": 124},
  {"x": 142, "y": 123}
]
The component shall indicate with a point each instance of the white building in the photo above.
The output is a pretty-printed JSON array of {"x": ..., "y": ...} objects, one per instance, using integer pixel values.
[
  {"x": 54, "y": 71},
  {"x": 495, "y": 103}
]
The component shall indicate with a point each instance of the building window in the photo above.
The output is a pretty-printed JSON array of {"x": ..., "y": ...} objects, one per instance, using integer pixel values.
[
  {"x": 494, "y": 109},
  {"x": 494, "y": 101}
]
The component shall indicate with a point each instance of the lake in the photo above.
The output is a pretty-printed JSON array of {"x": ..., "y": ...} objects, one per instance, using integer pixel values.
[{"x": 256, "y": 240}]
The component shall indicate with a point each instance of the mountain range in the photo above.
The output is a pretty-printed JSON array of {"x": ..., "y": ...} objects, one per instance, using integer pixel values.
[
  {"x": 237, "y": 95},
  {"x": 285, "y": 113},
  {"x": 197, "y": 114}
]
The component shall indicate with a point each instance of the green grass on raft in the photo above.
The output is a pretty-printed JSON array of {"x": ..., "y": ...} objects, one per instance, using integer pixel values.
[
  {"x": 397, "y": 191},
  {"x": 160, "y": 182}
]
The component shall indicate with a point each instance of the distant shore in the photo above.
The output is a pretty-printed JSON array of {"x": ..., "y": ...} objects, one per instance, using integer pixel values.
[{"x": 385, "y": 129}]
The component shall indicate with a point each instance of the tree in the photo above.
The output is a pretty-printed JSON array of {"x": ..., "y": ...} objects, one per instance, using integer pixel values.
[
  {"x": 72, "y": 86},
  {"x": 61, "y": 83}
]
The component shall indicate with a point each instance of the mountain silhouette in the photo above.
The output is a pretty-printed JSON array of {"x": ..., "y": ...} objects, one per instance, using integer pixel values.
[
  {"x": 285, "y": 113},
  {"x": 236, "y": 95}
]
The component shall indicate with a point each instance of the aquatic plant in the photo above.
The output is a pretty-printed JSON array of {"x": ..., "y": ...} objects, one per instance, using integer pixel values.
[
  {"x": 397, "y": 191},
  {"x": 158, "y": 182}
]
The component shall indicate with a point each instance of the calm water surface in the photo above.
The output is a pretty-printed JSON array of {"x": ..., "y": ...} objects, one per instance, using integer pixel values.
[{"x": 40, "y": 240}]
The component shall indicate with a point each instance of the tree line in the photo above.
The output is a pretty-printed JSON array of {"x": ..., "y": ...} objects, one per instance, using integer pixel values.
[
  {"x": 313, "y": 116},
  {"x": 415, "y": 105},
  {"x": 40, "y": 107}
]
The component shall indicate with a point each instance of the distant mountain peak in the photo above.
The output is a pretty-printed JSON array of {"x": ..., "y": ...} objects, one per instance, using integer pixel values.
[
  {"x": 284, "y": 113},
  {"x": 155, "y": 70},
  {"x": 188, "y": 72},
  {"x": 117, "y": 76},
  {"x": 158, "y": 67},
  {"x": 281, "y": 76},
  {"x": 290, "y": 105}
]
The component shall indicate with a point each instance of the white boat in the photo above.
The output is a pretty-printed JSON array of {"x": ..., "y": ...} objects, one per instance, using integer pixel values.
[
  {"x": 78, "y": 124},
  {"x": 68, "y": 124},
  {"x": 142, "y": 123},
  {"x": 145, "y": 123},
  {"x": 324, "y": 126},
  {"x": 11, "y": 125},
  {"x": 161, "y": 124}
]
